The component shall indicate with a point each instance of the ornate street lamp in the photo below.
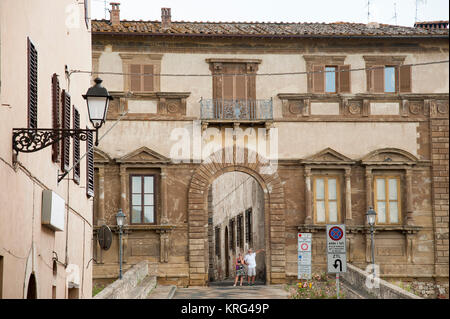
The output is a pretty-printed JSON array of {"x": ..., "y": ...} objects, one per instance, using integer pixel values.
[
  {"x": 97, "y": 99},
  {"x": 120, "y": 219},
  {"x": 371, "y": 216},
  {"x": 29, "y": 140}
]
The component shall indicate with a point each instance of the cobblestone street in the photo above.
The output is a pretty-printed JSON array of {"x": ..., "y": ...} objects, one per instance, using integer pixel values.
[{"x": 226, "y": 290}]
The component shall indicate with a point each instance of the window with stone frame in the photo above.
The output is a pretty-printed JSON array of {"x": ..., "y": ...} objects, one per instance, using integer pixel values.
[
  {"x": 143, "y": 71},
  {"x": 387, "y": 199},
  {"x": 388, "y": 74},
  {"x": 327, "y": 74},
  {"x": 217, "y": 241},
  {"x": 240, "y": 231},
  {"x": 142, "y": 78},
  {"x": 232, "y": 231},
  {"x": 327, "y": 201},
  {"x": 143, "y": 199},
  {"x": 249, "y": 227}
]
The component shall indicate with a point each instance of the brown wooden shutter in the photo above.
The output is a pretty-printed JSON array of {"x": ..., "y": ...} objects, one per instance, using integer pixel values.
[
  {"x": 56, "y": 115},
  {"x": 32, "y": 85},
  {"x": 228, "y": 87},
  {"x": 318, "y": 78},
  {"x": 148, "y": 79},
  {"x": 76, "y": 147},
  {"x": 405, "y": 78},
  {"x": 90, "y": 165},
  {"x": 135, "y": 79},
  {"x": 65, "y": 160},
  {"x": 378, "y": 79},
  {"x": 344, "y": 78},
  {"x": 240, "y": 87}
]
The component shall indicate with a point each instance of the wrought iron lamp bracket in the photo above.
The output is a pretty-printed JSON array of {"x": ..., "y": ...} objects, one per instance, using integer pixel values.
[{"x": 29, "y": 140}]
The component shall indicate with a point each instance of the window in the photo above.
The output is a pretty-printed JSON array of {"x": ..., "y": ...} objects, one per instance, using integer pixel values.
[
  {"x": 217, "y": 240},
  {"x": 142, "y": 199},
  {"x": 65, "y": 160},
  {"x": 76, "y": 147},
  {"x": 90, "y": 165},
  {"x": 140, "y": 82},
  {"x": 387, "y": 199},
  {"x": 330, "y": 78},
  {"x": 248, "y": 227},
  {"x": 232, "y": 243},
  {"x": 32, "y": 85},
  {"x": 387, "y": 74},
  {"x": 56, "y": 117},
  {"x": 239, "y": 233},
  {"x": 389, "y": 79},
  {"x": 326, "y": 199}
]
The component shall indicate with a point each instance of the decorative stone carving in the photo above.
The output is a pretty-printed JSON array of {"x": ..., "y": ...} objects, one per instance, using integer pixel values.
[
  {"x": 354, "y": 108},
  {"x": 415, "y": 108},
  {"x": 295, "y": 107},
  {"x": 442, "y": 107}
]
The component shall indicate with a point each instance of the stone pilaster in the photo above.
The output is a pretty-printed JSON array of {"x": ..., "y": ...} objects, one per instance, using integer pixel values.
[
  {"x": 164, "y": 215},
  {"x": 348, "y": 196},
  {"x": 409, "y": 193},
  {"x": 308, "y": 206}
]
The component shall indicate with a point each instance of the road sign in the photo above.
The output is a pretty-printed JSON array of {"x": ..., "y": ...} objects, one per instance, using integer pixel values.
[
  {"x": 336, "y": 249},
  {"x": 304, "y": 255},
  {"x": 337, "y": 263}
]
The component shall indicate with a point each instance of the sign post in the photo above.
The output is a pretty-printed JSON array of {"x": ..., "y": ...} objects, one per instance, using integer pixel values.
[
  {"x": 304, "y": 255},
  {"x": 336, "y": 251}
]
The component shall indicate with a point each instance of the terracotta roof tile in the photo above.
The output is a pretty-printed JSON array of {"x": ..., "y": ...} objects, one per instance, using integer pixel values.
[{"x": 264, "y": 29}]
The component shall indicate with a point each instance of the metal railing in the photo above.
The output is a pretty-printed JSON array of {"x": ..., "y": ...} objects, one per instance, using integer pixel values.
[{"x": 220, "y": 109}]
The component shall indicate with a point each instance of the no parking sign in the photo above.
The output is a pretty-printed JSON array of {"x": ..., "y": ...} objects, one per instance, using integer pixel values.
[{"x": 336, "y": 249}]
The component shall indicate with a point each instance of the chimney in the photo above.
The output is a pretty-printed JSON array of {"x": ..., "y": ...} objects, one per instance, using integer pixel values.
[
  {"x": 432, "y": 24},
  {"x": 165, "y": 18},
  {"x": 114, "y": 18}
]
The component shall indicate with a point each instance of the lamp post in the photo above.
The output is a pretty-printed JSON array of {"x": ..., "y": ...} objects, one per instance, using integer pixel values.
[
  {"x": 120, "y": 218},
  {"x": 371, "y": 216},
  {"x": 29, "y": 140}
]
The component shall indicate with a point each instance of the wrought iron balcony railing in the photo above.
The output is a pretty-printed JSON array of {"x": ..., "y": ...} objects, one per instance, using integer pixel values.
[{"x": 219, "y": 109}]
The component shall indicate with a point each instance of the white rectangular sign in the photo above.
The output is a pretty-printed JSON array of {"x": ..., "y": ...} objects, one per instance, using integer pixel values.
[
  {"x": 336, "y": 249},
  {"x": 304, "y": 255}
]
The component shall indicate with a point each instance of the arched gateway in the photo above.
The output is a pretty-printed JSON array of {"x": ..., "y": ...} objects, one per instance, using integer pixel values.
[{"x": 229, "y": 160}]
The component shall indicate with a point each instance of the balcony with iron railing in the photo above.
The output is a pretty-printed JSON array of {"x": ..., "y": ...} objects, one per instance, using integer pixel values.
[{"x": 236, "y": 110}]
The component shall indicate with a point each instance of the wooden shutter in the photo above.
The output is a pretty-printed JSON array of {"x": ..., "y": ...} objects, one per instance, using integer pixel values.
[
  {"x": 240, "y": 87},
  {"x": 148, "y": 79},
  {"x": 228, "y": 87},
  {"x": 56, "y": 115},
  {"x": 65, "y": 160},
  {"x": 405, "y": 78},
  {"x": 135, "y": 79},
  {"x": 76, "y": 147},
  {"x": 32, "y": 85},
  {"x": 377, "y": 80},
  {"x": 90, "y": 165},
  {"x": 318, "y": 78},
  {"x": 344, "y": 78}
]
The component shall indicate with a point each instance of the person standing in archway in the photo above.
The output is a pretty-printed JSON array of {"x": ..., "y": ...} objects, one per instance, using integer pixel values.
[
  {"x": 240, "y": 270},
  {"x": 250, "y": 260}
]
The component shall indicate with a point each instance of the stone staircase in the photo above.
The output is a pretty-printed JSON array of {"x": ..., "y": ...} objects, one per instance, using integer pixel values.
[{"x": 136, "y": 283}]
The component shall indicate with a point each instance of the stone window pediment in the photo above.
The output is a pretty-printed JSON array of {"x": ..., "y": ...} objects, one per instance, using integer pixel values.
[
  {"x": 328, "y": 156},
  {"x": 143, "y": 155},
  {"x": 389, "y": 157}
]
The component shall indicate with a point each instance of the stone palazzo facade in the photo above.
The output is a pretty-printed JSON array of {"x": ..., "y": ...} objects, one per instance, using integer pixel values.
[{"x": 329, "y": 119}]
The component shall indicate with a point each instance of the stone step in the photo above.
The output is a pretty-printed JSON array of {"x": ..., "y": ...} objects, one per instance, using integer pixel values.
[
  {"x": 162, "y": 292},
  {"x": 143, "y": 289}
]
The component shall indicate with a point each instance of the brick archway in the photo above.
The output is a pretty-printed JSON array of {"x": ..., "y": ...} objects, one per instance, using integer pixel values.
[{"x": 221, "y": 162}]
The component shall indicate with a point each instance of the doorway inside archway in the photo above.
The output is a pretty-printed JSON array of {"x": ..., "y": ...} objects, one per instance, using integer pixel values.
[
  {"x": 235, "y": 224},
  {"x": 31, "y": 291}
]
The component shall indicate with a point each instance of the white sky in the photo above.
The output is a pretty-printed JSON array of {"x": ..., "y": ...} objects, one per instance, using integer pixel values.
[{"x": 279, "y": 10}]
